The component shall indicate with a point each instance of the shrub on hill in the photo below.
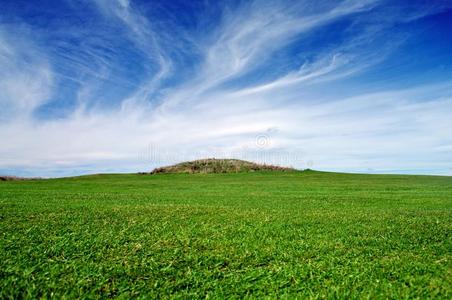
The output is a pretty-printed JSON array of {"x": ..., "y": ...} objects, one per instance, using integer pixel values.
[{"x": 212, "y": 165}]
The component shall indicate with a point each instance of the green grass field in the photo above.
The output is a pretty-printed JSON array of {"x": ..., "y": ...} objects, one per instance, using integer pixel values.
[{"x": 275, "y": 234}]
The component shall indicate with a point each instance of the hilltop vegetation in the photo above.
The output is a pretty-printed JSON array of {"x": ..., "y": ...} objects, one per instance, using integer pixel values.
[
  {"x": 245, "y": 235},
  {"x": 212, "y": 165},
  {"x": 12, "y": 178}
]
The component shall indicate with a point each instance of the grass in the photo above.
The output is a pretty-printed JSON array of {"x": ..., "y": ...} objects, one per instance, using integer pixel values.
[{"x": 253, "y": 235}]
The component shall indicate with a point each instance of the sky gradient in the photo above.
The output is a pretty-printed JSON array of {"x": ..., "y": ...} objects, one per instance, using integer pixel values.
[{"x": 126, "y": 85}]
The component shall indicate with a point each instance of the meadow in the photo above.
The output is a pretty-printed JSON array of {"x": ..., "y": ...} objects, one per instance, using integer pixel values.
[{"x": 247, "y": 235}]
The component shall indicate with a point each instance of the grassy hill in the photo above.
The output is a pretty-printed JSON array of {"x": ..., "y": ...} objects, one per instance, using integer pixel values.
[
  {"x": 277, "y": 234},
  {"x": 213, "y": 165}
]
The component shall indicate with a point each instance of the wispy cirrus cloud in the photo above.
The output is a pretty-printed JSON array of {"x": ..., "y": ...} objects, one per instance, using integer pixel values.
[{"x": 25, "y": 75}]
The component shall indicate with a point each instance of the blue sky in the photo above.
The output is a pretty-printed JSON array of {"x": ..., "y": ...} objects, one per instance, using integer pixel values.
[{"x": 126, "y": 85}]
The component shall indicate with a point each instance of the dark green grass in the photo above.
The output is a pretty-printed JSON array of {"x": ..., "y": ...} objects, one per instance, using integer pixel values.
[{"x": 275, "y": 234}]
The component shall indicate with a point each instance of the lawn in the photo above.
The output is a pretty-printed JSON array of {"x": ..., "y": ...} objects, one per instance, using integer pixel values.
[{"x": 263, "y": 234}]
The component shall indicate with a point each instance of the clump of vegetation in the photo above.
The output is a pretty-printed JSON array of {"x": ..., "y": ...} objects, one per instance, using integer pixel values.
[
  {"x": 212, "y": 165},
  {"x": 12, "y": 178}
]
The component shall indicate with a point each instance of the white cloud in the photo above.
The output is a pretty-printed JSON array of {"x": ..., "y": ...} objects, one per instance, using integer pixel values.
[
  {"x": 25, "y": 76},
  {"x": 251, "y": 34},
  {"x": 376, "y": 131}
]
